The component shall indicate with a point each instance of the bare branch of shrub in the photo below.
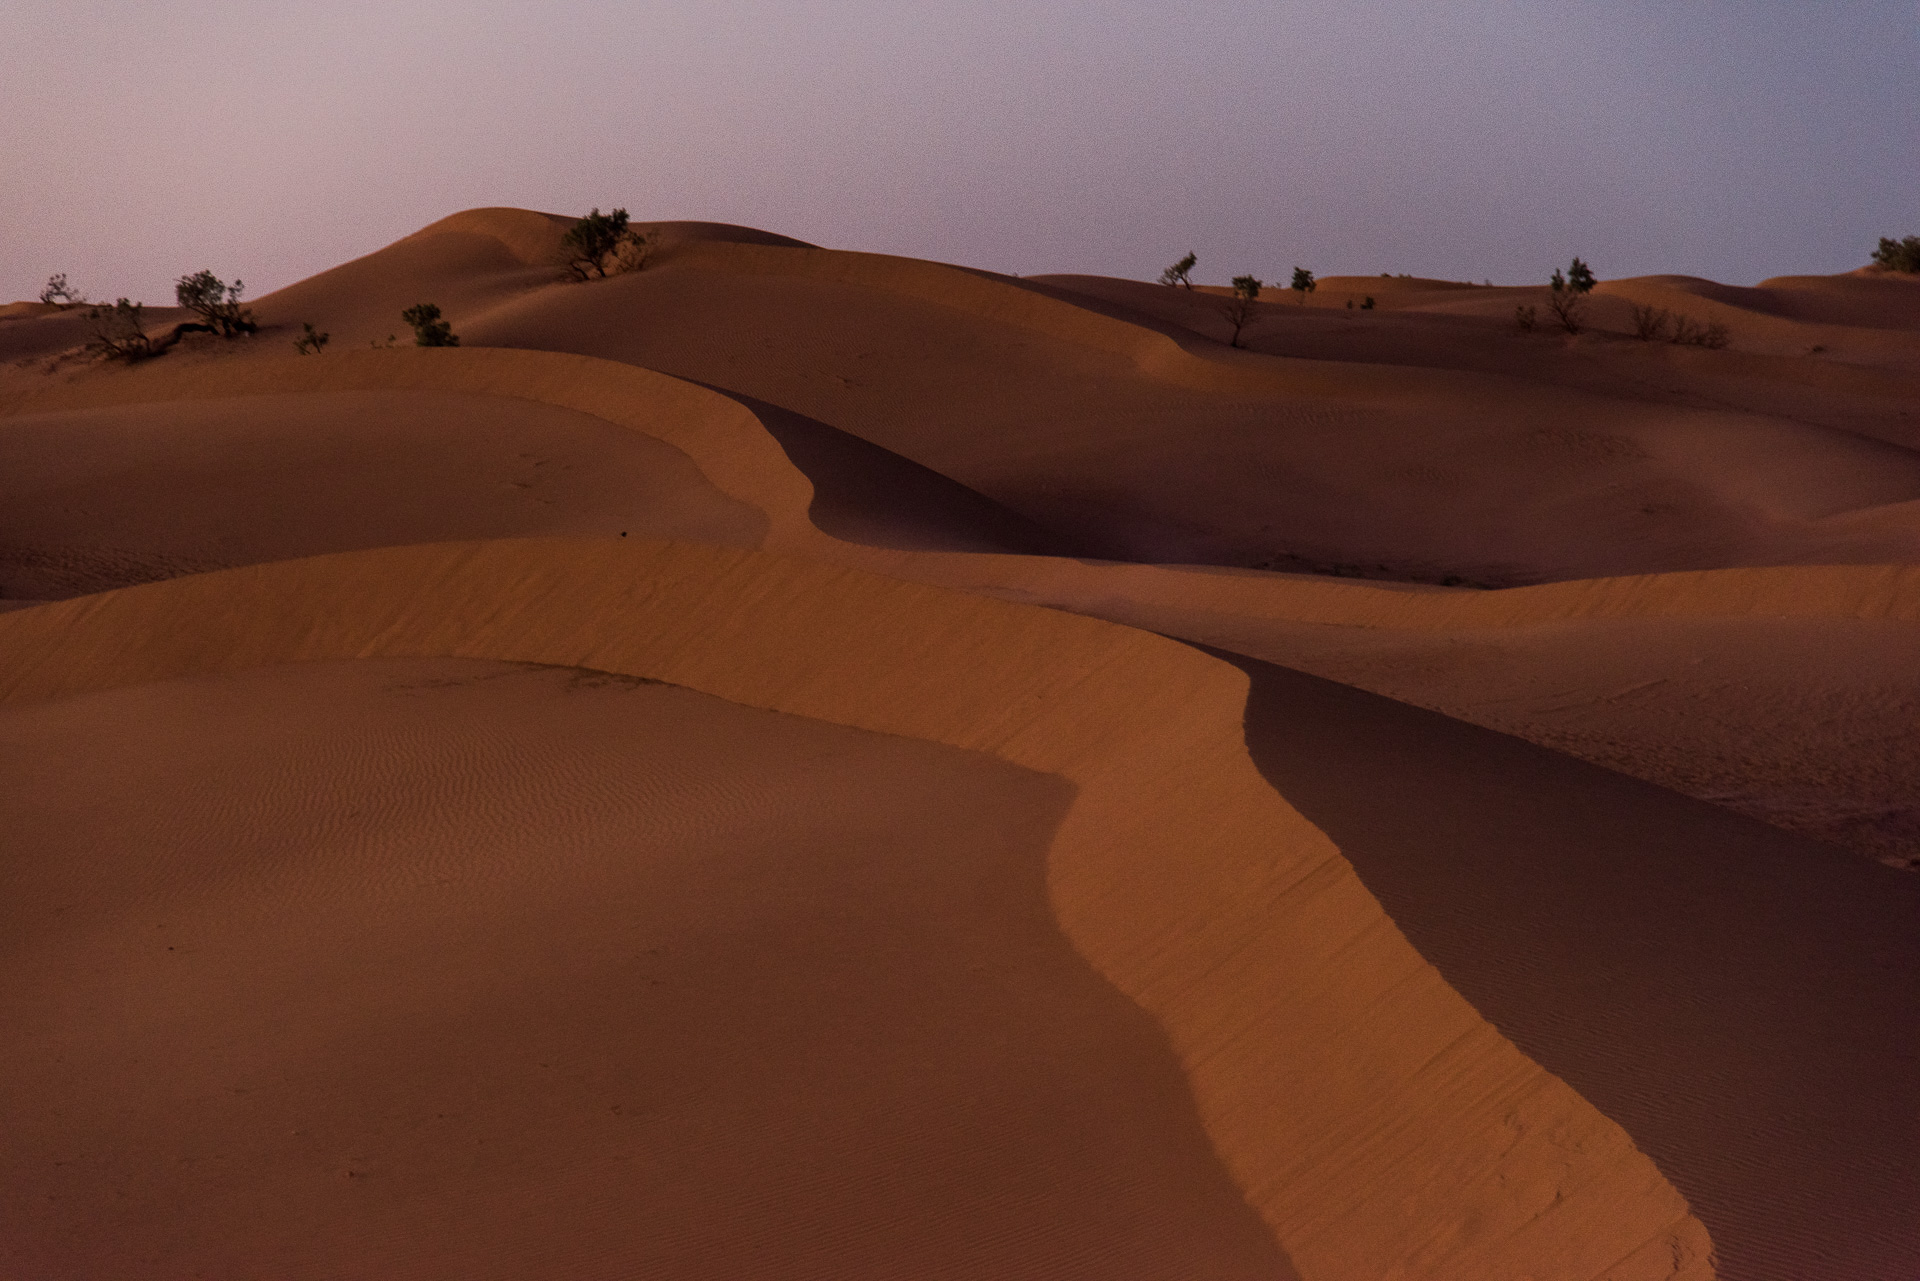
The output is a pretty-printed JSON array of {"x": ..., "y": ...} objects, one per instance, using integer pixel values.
[
  {"x": 119, "y": 333},
  {"x": 59, "y": 294},
  {"x": 1650, "y": 322}
]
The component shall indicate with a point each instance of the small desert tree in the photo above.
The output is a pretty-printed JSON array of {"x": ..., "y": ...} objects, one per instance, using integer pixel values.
[
  {"x": 428, "y": 329},
  {"x": 59, "y": 294},
  {"x": 1898, "y": 255},
  {"x": 1303, "y": 283},
  {"x": 602, "y": 245},
  {"x": 119, "y": 333},
  {"x": 1240, "y": 308},
  {"x": 216, "y": 303},
  {"x": 1570, "y": 294},
  {"x": 1181, "y": 273}
]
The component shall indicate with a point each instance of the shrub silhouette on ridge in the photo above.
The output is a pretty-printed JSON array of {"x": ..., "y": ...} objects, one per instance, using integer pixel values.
[{"x": 1181, "y": 273}]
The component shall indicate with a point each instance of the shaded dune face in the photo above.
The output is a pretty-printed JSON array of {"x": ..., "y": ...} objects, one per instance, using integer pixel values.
[
  {"x": 498, "y": 971},
  {"x": 872, "y": 496},
  {"x": 1737, "y": 998},
  {"x": 102, "y": 498},
  {"x": 1812, "y": 725}
]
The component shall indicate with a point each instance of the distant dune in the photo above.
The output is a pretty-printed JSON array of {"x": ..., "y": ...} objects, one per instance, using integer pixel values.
[{"x": 682, "y": 782}]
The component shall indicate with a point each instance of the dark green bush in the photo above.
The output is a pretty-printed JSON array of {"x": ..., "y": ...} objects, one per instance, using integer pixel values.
[
  {"x": 1898, "y": 255},
  {"x": 428, "y": 329},
  {"x": 216, "y": 303}
]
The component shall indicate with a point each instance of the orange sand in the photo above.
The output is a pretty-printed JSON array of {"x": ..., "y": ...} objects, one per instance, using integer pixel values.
[{"x": 1015, "y": 946}]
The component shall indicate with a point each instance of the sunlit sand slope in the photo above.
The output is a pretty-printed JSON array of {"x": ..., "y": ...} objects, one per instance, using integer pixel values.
[{"x": 1373, "y": 1121}]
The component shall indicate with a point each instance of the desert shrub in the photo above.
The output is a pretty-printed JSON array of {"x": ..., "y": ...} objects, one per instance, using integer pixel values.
[
  {"x": 1240, "y": 308},
  {"x": 1650, "y": 322},
  {"x": 1569, "y": 295},
  {"x": 602, "y": 245},
  {"x": 1526, "y": 318},
  {"x": 59, "y": 294},
  {"x": 1898, "y": 255},
  {"x": 312, "y": 342},
  {"x": 1366, "y": 304},
  {"x": 1181, "y": 273},
  {"x": 428, "y": 329},
  {"x": 216, "y": 303},
  {"x": 1303, "y": 284},
  {"x": 1688, "y": 332},
  {"x": 119, "y": 333}
]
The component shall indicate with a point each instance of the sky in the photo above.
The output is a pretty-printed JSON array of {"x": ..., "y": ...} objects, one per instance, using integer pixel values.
[{"x": 1480, "y": 139}]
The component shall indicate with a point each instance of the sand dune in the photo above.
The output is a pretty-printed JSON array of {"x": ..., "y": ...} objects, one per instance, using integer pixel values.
[
  {"x": 106, "y": 497},
  {"x": 1324, "y": 1057},
  {"x": 990, "y": 940},
  {"x": 1132, "y": 445},
  {"x": 653, "y": 982},
  {"x": 1141, "y": 449}
]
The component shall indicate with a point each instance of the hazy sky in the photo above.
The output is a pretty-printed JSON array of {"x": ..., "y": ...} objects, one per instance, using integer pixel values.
[{"x": 1478, "y": 139}]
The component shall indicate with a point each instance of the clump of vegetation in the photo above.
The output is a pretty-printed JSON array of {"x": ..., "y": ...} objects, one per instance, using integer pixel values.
[
  {"x": 1240, "y": 308},
  {"x": 1366, "y": 304},
  {"x": 1303, "y": 284},
  {"x": 312, "y": 343},
  {"x": 1526, "y": 317},
  {"x": 216, "y": 303},
  {"x": 59, "y": 294},
  {"x": 119, "y": 332},
  {"x": 602, "y": 245},
  {"x": 1688, "y": 332},
  {"x": 1898, "y": 255},
  {"x": 1651, "y": 324},
  {"x": 1570, "y": 294},
  {"x": 1181, "y": 273},
  {"x": 428, "y": 329}
]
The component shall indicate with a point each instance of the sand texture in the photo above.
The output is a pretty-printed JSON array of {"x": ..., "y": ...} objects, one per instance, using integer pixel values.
[{"x": 686, "y": 783}]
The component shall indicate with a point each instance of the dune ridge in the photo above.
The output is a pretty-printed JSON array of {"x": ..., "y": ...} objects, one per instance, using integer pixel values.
[{"x": 1149, "y": 733}]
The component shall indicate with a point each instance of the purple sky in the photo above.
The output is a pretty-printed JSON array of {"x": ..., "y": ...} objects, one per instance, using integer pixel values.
[{"x": 1477, "y": 139}]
